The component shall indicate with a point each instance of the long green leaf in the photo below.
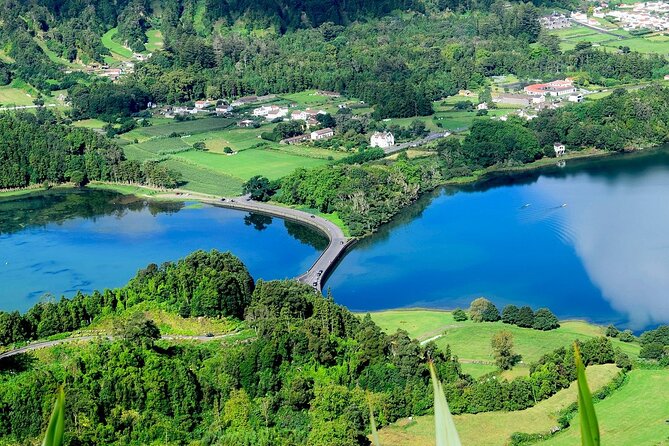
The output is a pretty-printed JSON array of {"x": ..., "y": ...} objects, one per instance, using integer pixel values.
[
  {"x": 375, "y": 434},
  {"x": 56, "y": 428},
  {"x": 445, "y": 432},
  {"x": 586, "y": 409}
]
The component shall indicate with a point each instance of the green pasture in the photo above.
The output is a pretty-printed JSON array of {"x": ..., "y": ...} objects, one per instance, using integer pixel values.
[
  {"x": 495, "y": 428},
  {"x": 90, "y": 123},
  {"x": 118, "y": 51},
  {"x": 154, "y": 40},
  {"x": 636, "y": 414},
  {"x": 163, "y": 128},
  {"x": 245, "y": 164},
  {"x": 200, "y": 179},
  {"x": 10, "y": 96},
  {"x": 471, "y": 341}
]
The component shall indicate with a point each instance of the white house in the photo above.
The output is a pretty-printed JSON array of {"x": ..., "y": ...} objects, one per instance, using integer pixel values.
[
  {"x": 382, "y": 139},
  {"x": 306, "y": 114},
  {"x": 322, "y": 134},
  {"x": 201, "y": 105},
  {"x": 482, "y": 106},
  {"x": 575, "y": 98},
  {"x": 559, "y": 149}
]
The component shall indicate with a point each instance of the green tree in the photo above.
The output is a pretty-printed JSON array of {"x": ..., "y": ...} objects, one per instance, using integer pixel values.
[
  {"x": 502, "y": 346},
  {"x": 482, "y": 310},
  {"x": 139, "y": 330},
  {"x": 544, "y": 319},
  {"x": 459, "y": 315},
  {"x": 259, "y": 188}
]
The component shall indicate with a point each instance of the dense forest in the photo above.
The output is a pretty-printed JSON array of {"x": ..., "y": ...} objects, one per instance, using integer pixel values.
[
  {"x": 305, "y": 378},
  {"x": 399, "y": 63},
  {"x": 38, "y": 149}
]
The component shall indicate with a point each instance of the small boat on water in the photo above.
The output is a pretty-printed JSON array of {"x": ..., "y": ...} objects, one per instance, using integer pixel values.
[{"x": 564, "y": 205}]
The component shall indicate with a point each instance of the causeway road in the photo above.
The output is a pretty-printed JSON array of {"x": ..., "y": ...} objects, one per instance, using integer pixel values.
[{"x": 319, "y": 271}]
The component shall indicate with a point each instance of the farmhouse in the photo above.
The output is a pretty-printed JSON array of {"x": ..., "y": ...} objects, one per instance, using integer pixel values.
[
  {"x": 382, "y": 140},
  {"x": 201, "y": 105},
  {"x": 245, "y": 100},
  {"x": 322, "y": 134},
  {"x": 512, "y": 99},
  {"x": 575, "y": 98},
  {"x": 245, "y": 123},
  {"x": 559, "y": 149},
  {"x": 555, "y": 88},
  {"x": 270, "y": 112},
  {"x": 306, "y": 115},
  {"x": 555, "y": 21},
  {"x": 295, "y": 139},
  {"x": 330, "y": 94}
]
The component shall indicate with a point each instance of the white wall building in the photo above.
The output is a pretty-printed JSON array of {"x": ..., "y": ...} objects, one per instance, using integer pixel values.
[
  {"x": 382, "y": 139},
  {"x": 322, "y": 134}
]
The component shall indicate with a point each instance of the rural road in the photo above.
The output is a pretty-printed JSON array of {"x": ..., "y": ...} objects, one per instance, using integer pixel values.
[
  {"x": 46, "y": 344},
  {"x": 316, "y": 275}
]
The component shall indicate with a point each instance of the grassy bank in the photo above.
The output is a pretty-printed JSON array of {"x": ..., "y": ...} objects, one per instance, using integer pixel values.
[
  {"x": 495, "y": 428},
  {"x": 470, "y": 341}
]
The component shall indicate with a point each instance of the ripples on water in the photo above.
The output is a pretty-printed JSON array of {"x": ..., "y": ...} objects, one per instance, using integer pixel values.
[{"x": 604, "y": 256}]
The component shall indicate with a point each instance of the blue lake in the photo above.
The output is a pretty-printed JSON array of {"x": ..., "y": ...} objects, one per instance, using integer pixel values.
[
  {"x": 61, "y": 242},
  {"x": 603, "y": 256}
]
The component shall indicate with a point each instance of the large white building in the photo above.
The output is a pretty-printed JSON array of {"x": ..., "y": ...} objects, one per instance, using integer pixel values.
[
  {"x": 270, "y": 112},
  {"x": 322, "y": 134},
  {"x": 382, "y": 139}
]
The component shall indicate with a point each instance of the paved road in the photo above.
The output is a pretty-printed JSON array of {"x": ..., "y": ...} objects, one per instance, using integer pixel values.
[
  {"x": 45, "y": 344},
  {"x": 322, "y": 267},
  {"x": 419, "y": 142}
]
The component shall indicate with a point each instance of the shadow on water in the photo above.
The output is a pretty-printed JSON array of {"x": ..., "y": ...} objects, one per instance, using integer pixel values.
[{"x": 58, "y": 206}]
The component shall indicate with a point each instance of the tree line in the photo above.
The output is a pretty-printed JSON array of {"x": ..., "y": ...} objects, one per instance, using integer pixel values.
[
  {"x": 37, "y": 149},
  {"x": 305, "y": 378}
]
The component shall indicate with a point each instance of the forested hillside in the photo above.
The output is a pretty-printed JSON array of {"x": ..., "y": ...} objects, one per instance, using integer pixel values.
[{"x": 305, "y": 376}]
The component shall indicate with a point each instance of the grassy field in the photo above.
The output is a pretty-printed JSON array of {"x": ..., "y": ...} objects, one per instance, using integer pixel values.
[
  {"x": 495, "y": 428},
  {"x": 154, "y": 40},
  {"x": 245, "y": 164},
  {"x": 635, "y": 415},
  {"x": 471, "y": 341},
  {"x": 90, "y": 123},
  {"x": 200, "y": 179},
  {"x": 10, "y": 96},
  {"x": 658, "y": 44},
  {"x": 118, "y": 51},
  {"x": 162, "y": 128}
]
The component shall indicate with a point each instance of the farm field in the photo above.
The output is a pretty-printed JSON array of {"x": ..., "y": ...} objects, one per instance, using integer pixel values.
[
  {"x": 154, "y": 40},
  {"x": 569, "y": 37},
  {"x": 89, "y": 123},
  {"x": 119, "y": 52},
  {"x": 499, "y": 425},
  {"x": 203, "y": 180},
  {"x": 14, "y": 96},
  {"x": 247, "y": 163},
  {"x": 471, "y": 341},
  {"x": 165, "y": 127},
  {"x": 635, "y": 415}
]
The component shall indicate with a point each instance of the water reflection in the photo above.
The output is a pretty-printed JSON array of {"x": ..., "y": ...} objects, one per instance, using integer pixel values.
[
  {"x": 588, "y": 240},
  {"x": 64, "y": 241}
]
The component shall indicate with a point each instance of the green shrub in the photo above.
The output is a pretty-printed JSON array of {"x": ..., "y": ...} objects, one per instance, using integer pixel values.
[{"x": 459, "y": 315}]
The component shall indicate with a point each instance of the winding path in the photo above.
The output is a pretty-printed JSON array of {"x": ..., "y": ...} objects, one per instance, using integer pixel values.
[
  {"x": 45, "y": 344},
  {"x": 319, "y": 271}
]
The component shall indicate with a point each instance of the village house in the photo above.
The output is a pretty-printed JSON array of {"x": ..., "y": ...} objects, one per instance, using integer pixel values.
[
  {"x": 555, "y": 21},
  {"x": 538, "y": 99},
  {"x": 575, "y": 98},
  {"x": 245, "y": 123},
  {"x": 111, "y": 73},
  {"x": 556, "y": 88},
  {"x": 270, "y": 112},
  {"x": 223, "y": 108},
  {"x": 306, "y": 114},
  {"x": 244, "y": 100},
  {"x": 201, "y": 105},
  {"x": 322, "y": 134},
  {"x": 559, "y": 149},
  {"x": 330, "y": 94},
  {"x": 295, "y": 139},
  {"x": 512, "y": 99},
  {"x": 482, "y": 106},
  {"x": 382, "y": 140},
  {"x": 527, "y": 115}
]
